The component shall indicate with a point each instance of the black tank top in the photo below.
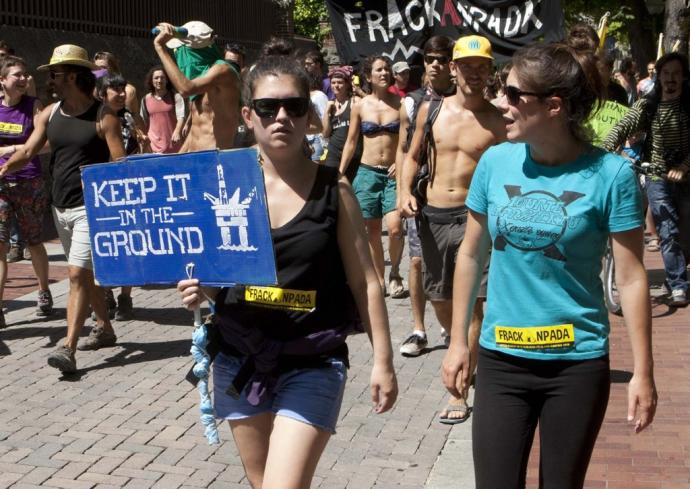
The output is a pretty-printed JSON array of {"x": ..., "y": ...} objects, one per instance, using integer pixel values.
[
  {"x": 340, "y": 125},
  {"x": 312, "y": 292},
  {"x": 74, "y": 143}
]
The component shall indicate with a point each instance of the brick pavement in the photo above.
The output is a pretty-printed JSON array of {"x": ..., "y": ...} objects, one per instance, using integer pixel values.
[
  {"x": 659, "y": 457},
  {"x": 128, "y": 419}
]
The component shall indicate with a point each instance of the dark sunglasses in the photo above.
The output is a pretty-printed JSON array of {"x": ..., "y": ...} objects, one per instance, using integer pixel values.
[
  {"x": 269, "y": 107},
  {"x": 430, "y": 58},
  {"x": 54, "y": 74},
  {"x": 513, "y": 94}
]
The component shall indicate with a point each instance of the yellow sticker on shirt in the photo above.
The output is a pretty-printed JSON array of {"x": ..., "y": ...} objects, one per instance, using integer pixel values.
[
  {"x": 294, "y": 300},
  {"x": 11, "y": 128},
  {"x": 535, "y": 337}
]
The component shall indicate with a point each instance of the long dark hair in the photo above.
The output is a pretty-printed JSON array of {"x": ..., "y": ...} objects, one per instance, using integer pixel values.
[
  {"x": 368, "y": 65},
  {"x": 148, "y": 80}
]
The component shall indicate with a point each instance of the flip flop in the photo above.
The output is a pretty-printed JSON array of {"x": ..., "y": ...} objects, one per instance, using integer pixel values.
[
  {"x": 454, "y": 408},
  {"x": 653, "y": 244},
  {"x": 395, "y": 283}
]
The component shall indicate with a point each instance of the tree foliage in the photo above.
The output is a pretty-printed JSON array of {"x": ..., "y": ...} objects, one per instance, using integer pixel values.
[{"x": 307, "y": 15}]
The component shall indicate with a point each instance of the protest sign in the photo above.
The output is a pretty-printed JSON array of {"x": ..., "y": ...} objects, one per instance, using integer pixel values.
[
  {"x": 604, "y": 119},
  {"x": 398, "y": 29},
  {"x": 151, "y": 216}
]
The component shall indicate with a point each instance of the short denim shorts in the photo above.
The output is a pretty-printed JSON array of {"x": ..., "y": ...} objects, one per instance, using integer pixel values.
[{"x": 310, "y": 395}]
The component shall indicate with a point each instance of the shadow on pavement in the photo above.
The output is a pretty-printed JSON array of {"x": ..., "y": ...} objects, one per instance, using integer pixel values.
[
  {"x": 175, "y": 316},
  {"x": 52, "y": 333},
  {"x": 129, "y": 353}
]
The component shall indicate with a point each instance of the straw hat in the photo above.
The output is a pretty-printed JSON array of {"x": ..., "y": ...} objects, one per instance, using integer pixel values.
[
  {"x": 69, "y": 54},
  {"x": 199, "y": 35}
]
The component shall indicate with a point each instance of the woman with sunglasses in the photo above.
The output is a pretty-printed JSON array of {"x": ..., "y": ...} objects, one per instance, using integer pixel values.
[
  {"x": 336, "y": 120},
  {"x": 321, "y": 251},
  {"x": 377, "y": 119},
  {"x": 549, "y": 201}
]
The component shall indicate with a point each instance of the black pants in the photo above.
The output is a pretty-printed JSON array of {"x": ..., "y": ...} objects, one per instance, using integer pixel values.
[{"x": 567, "y": 398}]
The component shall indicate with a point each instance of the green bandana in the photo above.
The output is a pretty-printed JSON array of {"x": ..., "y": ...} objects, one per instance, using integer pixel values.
[{"x": 194, "y": 63}]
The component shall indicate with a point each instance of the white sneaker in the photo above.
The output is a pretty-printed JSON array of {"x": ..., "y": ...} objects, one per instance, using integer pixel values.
[
  {"x": 678, "y": 298},
  {"x": 414, "y": 344}
]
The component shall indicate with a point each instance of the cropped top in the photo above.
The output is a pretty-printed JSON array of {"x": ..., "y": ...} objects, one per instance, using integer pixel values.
[{"x": 371, "y": 128}]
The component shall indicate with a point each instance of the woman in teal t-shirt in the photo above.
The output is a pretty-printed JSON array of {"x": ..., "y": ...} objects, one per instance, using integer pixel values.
[{"x": 548, "y": 201}]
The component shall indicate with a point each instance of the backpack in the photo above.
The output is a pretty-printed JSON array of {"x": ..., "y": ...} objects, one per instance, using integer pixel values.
[{"x": 427, "y": 155}]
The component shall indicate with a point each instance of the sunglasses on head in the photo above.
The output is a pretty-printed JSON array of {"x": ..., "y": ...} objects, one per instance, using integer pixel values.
[
  {"x": 430, "y": 58},
  {"x": 513, "y": 94},
  {"x": 269, "y": 107}
]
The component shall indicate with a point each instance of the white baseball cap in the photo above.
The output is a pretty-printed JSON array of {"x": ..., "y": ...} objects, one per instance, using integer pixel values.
[
  {"x": 199, "y": 35},
  {"x": 400, "y": 66}
]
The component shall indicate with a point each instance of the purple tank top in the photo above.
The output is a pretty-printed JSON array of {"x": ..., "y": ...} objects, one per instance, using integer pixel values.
[{"x": 16, "y": 125}]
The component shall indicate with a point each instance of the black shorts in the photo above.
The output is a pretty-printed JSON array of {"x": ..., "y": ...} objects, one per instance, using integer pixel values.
[{"x": 441, "y": 231}]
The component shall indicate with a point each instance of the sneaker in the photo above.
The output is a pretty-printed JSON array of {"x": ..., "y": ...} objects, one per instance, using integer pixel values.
[
  {"x": 15, "y": 254},
  {"x": 27, "y": 254},
  {"x": 414, "y": 344},
  {"x": 678, "y": 298},
  {"x": 98, "y": 338},
  {"x": 63, "y": 360},
  {"x": 44, "y": 305},
  {"x": 445, "y": 337},
  {"x": 124, "y": 308}
]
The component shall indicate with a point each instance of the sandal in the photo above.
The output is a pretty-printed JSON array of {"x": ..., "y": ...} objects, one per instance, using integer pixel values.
[
  {"x": 455, "y": 408},
  {"x": 653, "y": 244},
  {"x": 396, "y": 287}
]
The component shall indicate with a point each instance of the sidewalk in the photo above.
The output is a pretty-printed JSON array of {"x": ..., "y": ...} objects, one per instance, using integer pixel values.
[{"x": 129, "y": 419}]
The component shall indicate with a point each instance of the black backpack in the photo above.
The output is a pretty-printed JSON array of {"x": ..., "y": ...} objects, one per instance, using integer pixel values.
[{"x": 427, "y": 155}]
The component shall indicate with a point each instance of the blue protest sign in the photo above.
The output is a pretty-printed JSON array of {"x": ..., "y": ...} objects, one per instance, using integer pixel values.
[{"x": 151, "y": 216}]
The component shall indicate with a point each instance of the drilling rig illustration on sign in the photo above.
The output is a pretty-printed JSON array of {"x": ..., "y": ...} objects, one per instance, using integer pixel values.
[{"x": 231, "y": 213}]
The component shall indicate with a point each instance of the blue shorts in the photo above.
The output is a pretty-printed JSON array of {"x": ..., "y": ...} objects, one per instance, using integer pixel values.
[{"x": 310, "y": 395}]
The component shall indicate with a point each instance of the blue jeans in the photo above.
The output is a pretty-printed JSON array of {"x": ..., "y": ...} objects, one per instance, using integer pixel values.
[{"x": 668, "y": 202}]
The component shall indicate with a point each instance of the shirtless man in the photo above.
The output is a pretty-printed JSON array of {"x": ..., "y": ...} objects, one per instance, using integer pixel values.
[
  {"x": 200, "y": 73},
  {"x": 466, "y": 125}
]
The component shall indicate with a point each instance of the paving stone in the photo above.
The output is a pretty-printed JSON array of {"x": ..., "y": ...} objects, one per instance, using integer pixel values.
[{"x": 133, "y": 420}]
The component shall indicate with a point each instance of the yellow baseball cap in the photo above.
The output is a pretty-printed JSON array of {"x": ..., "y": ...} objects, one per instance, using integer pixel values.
[{"x": 472, "y": 46}]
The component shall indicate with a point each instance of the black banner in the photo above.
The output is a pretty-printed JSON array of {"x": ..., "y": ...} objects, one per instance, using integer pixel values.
[{"x": 398, "y": 29}]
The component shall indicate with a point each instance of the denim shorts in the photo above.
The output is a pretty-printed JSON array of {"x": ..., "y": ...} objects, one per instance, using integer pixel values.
[{"x": 310, "y": 395}]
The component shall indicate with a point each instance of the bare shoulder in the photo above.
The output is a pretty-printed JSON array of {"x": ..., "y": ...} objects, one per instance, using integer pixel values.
[
  {"x": 492, "y": 118},
  {"x": 223, "y": 71}
]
